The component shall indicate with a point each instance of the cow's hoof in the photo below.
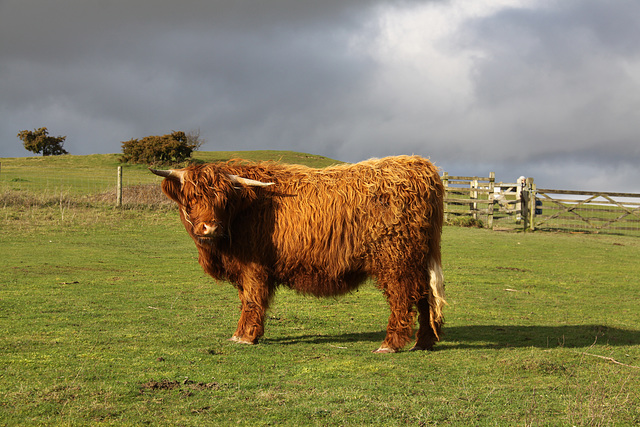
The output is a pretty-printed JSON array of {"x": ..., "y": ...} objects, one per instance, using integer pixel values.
[
  {"x": 240, "y": 340},
  {"x": 384, "y": 350}
]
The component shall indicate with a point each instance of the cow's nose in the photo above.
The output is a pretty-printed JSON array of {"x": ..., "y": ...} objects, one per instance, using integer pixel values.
[{"x": 209, "y": 229}]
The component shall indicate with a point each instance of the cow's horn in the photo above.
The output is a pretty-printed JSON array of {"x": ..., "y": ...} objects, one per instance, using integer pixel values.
[
  {"x": 171, "y": 173},
  {"x": 250, "y": 182}
]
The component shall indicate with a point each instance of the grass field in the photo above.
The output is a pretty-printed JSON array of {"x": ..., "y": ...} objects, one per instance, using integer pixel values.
[
  {"x": 84, "y": 175},
  {"x": 106, "y": 318}
]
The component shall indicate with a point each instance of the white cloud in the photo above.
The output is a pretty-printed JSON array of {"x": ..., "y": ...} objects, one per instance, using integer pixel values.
[{"x": 421, "y": 91}]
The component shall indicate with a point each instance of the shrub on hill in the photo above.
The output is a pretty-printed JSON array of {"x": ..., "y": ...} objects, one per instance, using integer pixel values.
[
  {"x": 171, "y": 148},
  {"x": 39, "y": 141}
]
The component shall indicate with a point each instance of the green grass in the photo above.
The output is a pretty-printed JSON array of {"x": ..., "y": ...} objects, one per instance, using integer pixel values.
[
  {"x": 85, "y": 175},
  {"x": 106, "y": 318},
  {"x": 290, "y": 157},
  {"x": 92, "y": 179}
]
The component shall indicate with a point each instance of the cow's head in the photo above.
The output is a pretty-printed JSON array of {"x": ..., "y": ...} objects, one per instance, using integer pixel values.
[{"x": 208, "y": 197}]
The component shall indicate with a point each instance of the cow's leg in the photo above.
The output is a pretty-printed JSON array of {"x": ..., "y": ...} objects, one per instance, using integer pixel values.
[
  {"x": 251, "y": 323},
  {"x": 255, "y": 296},
  {"x": 428, "y": 333},
  {"x": 401, "y": 320}
]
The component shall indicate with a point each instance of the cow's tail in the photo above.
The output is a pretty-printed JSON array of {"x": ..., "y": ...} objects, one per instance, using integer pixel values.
[
  {"x": 436, "y": 296},
  {"x": 436, "y": 276}
]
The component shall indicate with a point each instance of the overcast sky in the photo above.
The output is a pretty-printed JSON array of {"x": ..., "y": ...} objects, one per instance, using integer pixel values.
[{"x": 548, "y": 89}]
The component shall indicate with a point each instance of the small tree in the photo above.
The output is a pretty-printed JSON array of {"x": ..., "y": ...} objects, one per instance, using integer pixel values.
[
  {"x": 39, "y": 141},
  {"x": 172, "y": 148},
  {"x": 193, "y": 138}
]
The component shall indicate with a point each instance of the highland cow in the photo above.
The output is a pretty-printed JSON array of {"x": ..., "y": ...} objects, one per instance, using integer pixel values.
[{"x": 321, "y": 232}]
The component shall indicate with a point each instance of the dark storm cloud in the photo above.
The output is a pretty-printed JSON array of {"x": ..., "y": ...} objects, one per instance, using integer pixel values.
[
  {"x": 233, "y": 68},
  {"x": 516, "y": 86}
]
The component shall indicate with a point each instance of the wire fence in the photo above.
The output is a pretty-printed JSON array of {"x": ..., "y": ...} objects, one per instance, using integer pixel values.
[
  {"x": 92, "y": 185},
  {"x": 478, "y": 201}
]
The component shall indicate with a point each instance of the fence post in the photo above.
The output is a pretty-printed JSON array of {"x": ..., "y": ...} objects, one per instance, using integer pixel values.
[
  {"x": 474, "y": 195},
  {"x": 492, "y": 180},
  {"x": 531, "y": 189},
  {"x": 445, "y": 183},
  {"x": 119, "y": 188},
  {"x": 524, "y": 205},
  {"x": 520, "y": 209}
]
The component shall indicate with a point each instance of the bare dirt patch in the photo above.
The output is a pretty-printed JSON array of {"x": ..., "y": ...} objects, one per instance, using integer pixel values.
[{"x": 185, "y": 385}]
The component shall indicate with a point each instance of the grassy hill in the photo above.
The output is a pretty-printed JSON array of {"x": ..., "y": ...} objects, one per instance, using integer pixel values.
[
  {"x": 291, "y": 157},
  {"x": 96, "y": 173},
  {"x": 113, "y": 160}
]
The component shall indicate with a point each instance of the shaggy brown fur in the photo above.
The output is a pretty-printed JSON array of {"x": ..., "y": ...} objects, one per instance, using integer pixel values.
[{"x": 321, "y": 232}]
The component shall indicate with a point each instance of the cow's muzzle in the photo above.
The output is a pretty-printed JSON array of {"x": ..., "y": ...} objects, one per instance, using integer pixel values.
[{"x": 209, "y": 229}]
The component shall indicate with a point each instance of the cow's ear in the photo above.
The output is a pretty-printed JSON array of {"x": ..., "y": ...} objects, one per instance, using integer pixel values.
[{"x": 173, "y": 189}]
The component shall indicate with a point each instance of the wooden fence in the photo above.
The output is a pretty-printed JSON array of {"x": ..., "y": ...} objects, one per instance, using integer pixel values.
[
  {"x": 469, "y": 195},
  {"x": 482, "y": 200},
  {"x": 495, "y": 205},
  {"x": 520, "y": 205}
]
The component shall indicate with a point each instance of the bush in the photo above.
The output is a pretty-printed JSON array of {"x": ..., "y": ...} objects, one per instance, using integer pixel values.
[
  {"x": 172, "y": 148},
  {"x": 465, "y": 221},
  {"x": 39, "y": 141}
]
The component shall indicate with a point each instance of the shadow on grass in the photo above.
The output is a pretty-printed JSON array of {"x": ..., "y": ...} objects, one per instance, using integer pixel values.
[
  {"x": 495, "y": 336},
  {"x": 570, "y": 336}
]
